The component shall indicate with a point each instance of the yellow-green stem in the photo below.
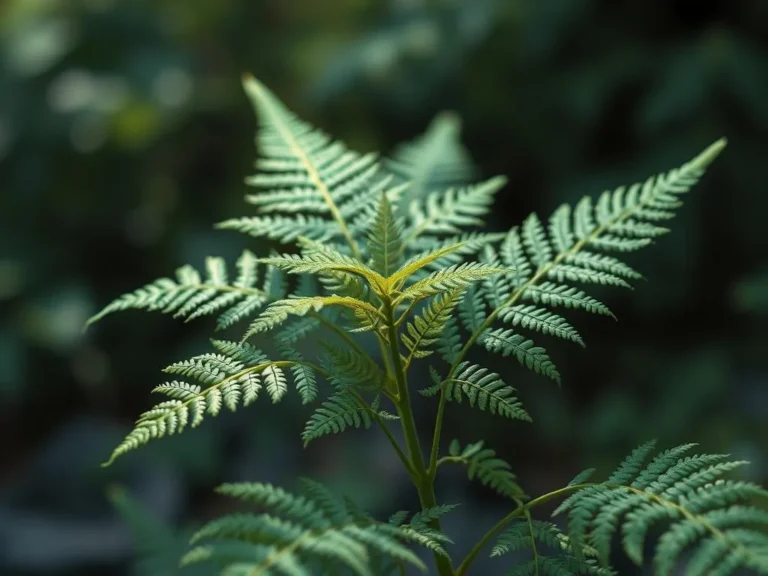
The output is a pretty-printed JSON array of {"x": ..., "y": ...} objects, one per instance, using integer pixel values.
[{"x": 422, "y": 480}]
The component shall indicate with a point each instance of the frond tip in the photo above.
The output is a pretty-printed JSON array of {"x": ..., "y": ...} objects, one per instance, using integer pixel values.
[{"x": 719, "y": 522}]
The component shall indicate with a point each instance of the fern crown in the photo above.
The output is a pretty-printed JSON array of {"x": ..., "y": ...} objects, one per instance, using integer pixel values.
[{"x": 388, "y": 251}]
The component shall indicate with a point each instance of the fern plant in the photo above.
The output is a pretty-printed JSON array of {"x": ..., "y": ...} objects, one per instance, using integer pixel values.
[{"x": 380, "y": 252}]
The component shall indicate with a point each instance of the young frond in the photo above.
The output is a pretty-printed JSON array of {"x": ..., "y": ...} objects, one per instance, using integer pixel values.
[
  {"x": 485, "y": 390},
  {"x": 193, "y": 295},
  {"x": 428, "y": 327},
  {"x": 326, "y": 261},
  {"x": 234, "y": 376},
  {"x": 507, "y": 342},
  {"x": 302, "y": 171},
  {"x": 482, "y": 464},
  {"x": 686, "y": 500},
  {"x": 436, "y": 160},
  {"x": 297, "y": 534},
  {"x": 452, "y": 278},
  {"x": 385, "y": 241},
  {"x": 278, "y": 312},
  {"x": 450, "y": 211}
]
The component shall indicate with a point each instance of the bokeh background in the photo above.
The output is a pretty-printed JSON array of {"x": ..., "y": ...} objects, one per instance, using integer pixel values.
[{"x": 124, "y": 135}]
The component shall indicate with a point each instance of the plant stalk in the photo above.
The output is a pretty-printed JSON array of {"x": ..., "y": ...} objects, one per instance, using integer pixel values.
[{"x": 422, "y": 479}]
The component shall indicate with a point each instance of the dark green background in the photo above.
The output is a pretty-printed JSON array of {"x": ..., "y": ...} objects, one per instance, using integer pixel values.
[{"x": 124, "y": 135}]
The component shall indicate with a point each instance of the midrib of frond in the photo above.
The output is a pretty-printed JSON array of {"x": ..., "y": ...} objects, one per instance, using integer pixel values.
[
  {"x": 544, "y": 270},
  {"x": 312, "y": 172}
]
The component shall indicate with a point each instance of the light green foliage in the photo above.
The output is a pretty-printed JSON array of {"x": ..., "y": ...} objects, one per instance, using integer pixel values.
[{"x": 393, "y": 250}]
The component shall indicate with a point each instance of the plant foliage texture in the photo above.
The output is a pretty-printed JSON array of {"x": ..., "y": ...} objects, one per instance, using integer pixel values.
[{"x": 393, "y": 251}]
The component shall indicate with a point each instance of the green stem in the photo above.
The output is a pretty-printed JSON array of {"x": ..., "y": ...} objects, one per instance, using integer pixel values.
[
  {"x": 422, "y": 480},
  {"x": 516, "y": 513}
]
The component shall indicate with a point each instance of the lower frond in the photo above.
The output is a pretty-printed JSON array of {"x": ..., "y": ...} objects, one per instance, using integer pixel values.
[
  {"x": 298, "y": 534},
  {"x": 341, "y": 410},
  {"x": 716, "y": 520},
  {"x": 533, "y": 357}
]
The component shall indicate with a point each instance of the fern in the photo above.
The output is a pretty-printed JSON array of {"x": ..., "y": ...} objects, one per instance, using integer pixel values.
[
  {"x": 193, "y": 295},
  {"x": 296, "y": 533},
  {"x": 390, "y": 255},
  {"x": 716, "y": 520},
  {"x": 482, "y": 464}
]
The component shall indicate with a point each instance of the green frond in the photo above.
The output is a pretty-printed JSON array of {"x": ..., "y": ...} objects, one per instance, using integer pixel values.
[
  {"x": 449, "y": 211},
  {"x": 423, "y": 260},
  {"x": 686, "y": 501},
  {"x": 278, "y": 312},
  {"x": 467, "y": 244},
  {"x": 513, "y": 256},
  {"x": 343, "y": 409},
  {"x": 485, "y": 390},
  {"x": 533, "y": 318},
  {"x": 428, "y": 327},
  {"x": 301, "y": 170},
  {"x": 193, "y": 295},
  {"x": 385, "y": 242},
  {"x": 452, "y": 278},
  {"x": 482, "y": 464},
  {"x": 435, "y": 160},
  {"x": 472, "y": 309},
  {"x": 507, "y": 342},
  {"x": 233, "y": 376},
  {"x": 319, "y": 262},
  {"x": 298, "y": 534}
]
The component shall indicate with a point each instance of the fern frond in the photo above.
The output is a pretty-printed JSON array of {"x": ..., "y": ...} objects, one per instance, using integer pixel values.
[
  {"x": 326, "y": 261},
  {"x": 427, "y": 328},
  {"x": 467, "y": 244},
  {"x": 385, "y": 242},
  {"x": 278, "y": 312},
  {"x": 485, "y": 390},
  {"x": 452, "y": 278},
  {"x": 449, "y": 342},
  {"x": 507, "y": 342},
  {"x": 447, "y": 212},
  {"x": 302, "y": 170},
  {"x": 191, "y": 295},
  {"x": 234, "y": 376},
  {"x": 436, "y": 160},
  {"x": 569, "y": 249},
  {"x": 297, "y": 534},
  {"x": 716, "y": 519},
  {"x": 482, "y": 464}
]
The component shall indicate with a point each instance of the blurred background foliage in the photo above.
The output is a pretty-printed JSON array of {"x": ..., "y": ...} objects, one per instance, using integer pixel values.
[{"x": 124, "y": 135}]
